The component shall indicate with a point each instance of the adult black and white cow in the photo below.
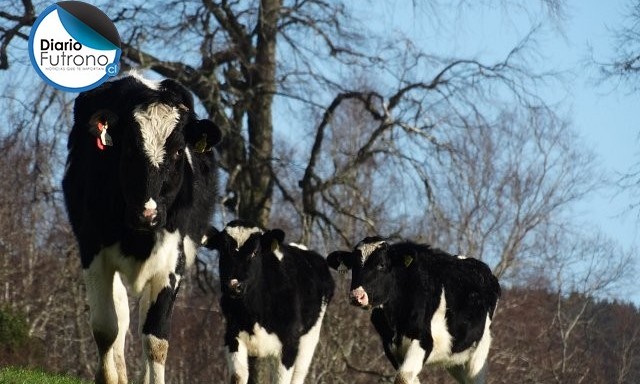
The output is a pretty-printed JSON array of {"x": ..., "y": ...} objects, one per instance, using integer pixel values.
[
  {"x": 428, "y": 306},
  {"x": 274, "y": 298},
  {"x": 139, "y": 186}
]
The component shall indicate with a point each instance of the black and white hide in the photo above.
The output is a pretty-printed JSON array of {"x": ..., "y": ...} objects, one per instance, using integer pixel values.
[
  {"x": 428, "y": 306},
  {"x": 139, "y": 186},
  {"x": 274, "y": 298}
]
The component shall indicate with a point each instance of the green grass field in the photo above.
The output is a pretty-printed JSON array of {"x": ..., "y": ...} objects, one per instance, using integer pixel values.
[{"x": 10, "y": 375}]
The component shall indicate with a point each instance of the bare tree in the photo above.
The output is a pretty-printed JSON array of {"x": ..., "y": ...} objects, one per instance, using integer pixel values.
[{"x": 624, "y": 67}]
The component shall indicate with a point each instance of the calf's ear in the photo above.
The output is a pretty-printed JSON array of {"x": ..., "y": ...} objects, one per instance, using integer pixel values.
[
  {"x": 405, "y": 258},
  {"x": 337, "y": 258},
  {"x": 202, "y": 135},
  {"x": 272, "y": 239},
  {"x": 212, "y": 239}
]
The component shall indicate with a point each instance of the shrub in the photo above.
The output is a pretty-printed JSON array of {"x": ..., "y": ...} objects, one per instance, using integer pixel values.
[{"x": 14, "y": 329}]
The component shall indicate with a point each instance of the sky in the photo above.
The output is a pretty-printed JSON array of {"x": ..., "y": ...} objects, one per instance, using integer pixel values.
[{"x": 605, "y": 116}]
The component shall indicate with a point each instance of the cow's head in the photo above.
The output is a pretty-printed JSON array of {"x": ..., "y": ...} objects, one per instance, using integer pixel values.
[
  {"x": 242, "y": 247},
  {"x": 154, "y": 133},
  {"x": 371, "y": 271}
]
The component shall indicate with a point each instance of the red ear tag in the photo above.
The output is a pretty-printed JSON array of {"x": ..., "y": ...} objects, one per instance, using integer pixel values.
[
  {"x": 102, "y": 137},
  {"x": 99, "y": 144}
]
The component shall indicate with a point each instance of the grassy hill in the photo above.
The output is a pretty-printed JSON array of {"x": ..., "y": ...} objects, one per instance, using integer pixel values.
[{"x": 10, "y": 375}]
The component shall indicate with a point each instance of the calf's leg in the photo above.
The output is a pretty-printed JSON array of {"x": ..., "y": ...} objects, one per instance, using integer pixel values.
[
  {"x": 411, "y": 365},
  {"x": 306, "y": 349},
  {"x": 238, "y": 362}
]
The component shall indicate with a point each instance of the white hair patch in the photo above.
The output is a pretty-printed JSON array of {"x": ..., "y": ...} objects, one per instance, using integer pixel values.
[
  {"x": 366, "y": 249},
  {"x": 157, "y": 122},
  {"x": 151, "y": 84},
  {"x": 299, "y": 246},
  {"x": 241, "y": 234}
]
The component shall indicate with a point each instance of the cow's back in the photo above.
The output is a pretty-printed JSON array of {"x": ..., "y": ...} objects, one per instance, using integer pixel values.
[{"x": 470, "y": 290}]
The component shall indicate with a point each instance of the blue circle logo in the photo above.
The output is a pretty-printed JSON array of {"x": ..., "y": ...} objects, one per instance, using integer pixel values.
[{"x": 74, "y": 46}]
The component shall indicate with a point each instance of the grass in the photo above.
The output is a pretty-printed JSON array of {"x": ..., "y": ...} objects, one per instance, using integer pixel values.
[{"x": 11, "y": 375}]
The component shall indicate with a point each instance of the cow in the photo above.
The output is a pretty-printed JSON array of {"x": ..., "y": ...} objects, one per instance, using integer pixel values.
[
  {"x": 429, "y": 307},
  {"x": 139, "y": 187},
  {"x": 274, "y": 297}
]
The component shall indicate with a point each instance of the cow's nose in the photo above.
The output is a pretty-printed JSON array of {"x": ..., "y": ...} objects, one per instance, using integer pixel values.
[
  {"x": 235, "y": 287},
  {"x": 359, "y": 297},
  {"x": 150, "y": 213}
]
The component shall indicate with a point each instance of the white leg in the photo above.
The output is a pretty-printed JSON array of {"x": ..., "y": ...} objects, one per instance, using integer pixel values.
[
  {"x": 477, "y": 367},
  {"x": 103, "y": 317},
  {"x": 306, "y": 349},
  {"x": 238, "y": 363},
  {"x": 481, "y": 376},
  {"x": 412, "y": 364},
  {"x": 121, "y": 302},
  {"x": 156, "y": 306},
  {"x": 284, "y": 374}
]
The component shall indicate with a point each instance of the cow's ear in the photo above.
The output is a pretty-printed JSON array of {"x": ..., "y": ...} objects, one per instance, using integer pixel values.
[
  {"x": 340, "y": 258},
  {"x": 272, "y": 239},
  {"x": 212, "y": 239},
  {"x": 404, "y": 258},
  {"x": 202, "y": 135}
]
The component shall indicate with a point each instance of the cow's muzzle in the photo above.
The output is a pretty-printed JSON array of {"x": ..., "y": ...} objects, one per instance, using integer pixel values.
[
  {"x": 359, "y": 297},
  {"x": 235, "y": 288},
  {"x": 149, "y": 218}
]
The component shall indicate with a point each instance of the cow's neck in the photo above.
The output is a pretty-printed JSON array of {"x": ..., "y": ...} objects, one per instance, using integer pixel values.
[
  {"x": 137, "y": 244},
  {"x": 396, "y": 307},
  {"x": 265, "y": 285}
]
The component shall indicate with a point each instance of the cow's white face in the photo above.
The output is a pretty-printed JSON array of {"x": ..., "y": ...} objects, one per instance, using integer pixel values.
[
  {"x": 155, "y": 136},
  {"x": 242, "y": 248},
  {"x": 371, "y": 274},
  {"x": 157, "y": 121},
  {"x": 238, "y": 245}
]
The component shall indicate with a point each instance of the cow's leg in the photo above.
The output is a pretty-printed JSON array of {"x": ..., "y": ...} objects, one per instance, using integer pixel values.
[
  {"x": 156, "y": 306},
  {"x": 238, "y": 362},
  {"x": 121, "y": 301},
  {"x": 285, "y": 371},
  {"x": 306, "y": 348},
  {"x": 477, "y": 365},
  {"x": 99, "y": 281},
  {"x": 412, "y": 364},
  {"x": 287, "y": 359}
]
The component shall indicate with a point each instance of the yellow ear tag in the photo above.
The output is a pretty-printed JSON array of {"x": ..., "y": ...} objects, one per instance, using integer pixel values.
[
  {"x": 274, "y": 245},
  {"x": 201, "y": 145},
  {"x": 407, "y": 260},
  {"x": 342, "y": 269}
]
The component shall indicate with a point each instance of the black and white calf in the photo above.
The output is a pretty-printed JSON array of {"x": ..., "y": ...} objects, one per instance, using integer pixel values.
[
  {"x": 139, "y": 186},
  {"x": 429, "y": 307},
  {"x": 274, "y": 297}
]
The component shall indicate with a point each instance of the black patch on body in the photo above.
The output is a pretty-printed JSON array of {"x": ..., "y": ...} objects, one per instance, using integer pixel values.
[
  {"x": 407, "y": 280},
  {"x": 283, "y": 297}
]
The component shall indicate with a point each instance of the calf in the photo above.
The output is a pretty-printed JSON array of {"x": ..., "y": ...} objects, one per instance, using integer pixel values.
[
  {"x": 428, "y": 306},
  {"x": 139, "y": 187},
  {"x": 274, "y": 297}
]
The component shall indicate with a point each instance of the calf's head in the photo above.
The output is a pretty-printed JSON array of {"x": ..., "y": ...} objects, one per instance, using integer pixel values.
[
  {"x": 371, "y": 271},
  {"x": 242, "y": 248},
  {"x": 153, "y": 134}
]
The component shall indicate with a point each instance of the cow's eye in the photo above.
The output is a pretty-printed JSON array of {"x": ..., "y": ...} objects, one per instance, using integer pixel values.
[
  {"x": 177, "y": 154},
  {"x": 381, "y": 266}
]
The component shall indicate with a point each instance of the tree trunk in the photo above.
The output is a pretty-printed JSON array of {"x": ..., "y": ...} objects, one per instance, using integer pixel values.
[{"x": 257, "y": 181}]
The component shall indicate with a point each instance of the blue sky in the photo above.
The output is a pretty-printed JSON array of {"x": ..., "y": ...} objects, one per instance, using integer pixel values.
[{"x": 605, "y": 116}]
